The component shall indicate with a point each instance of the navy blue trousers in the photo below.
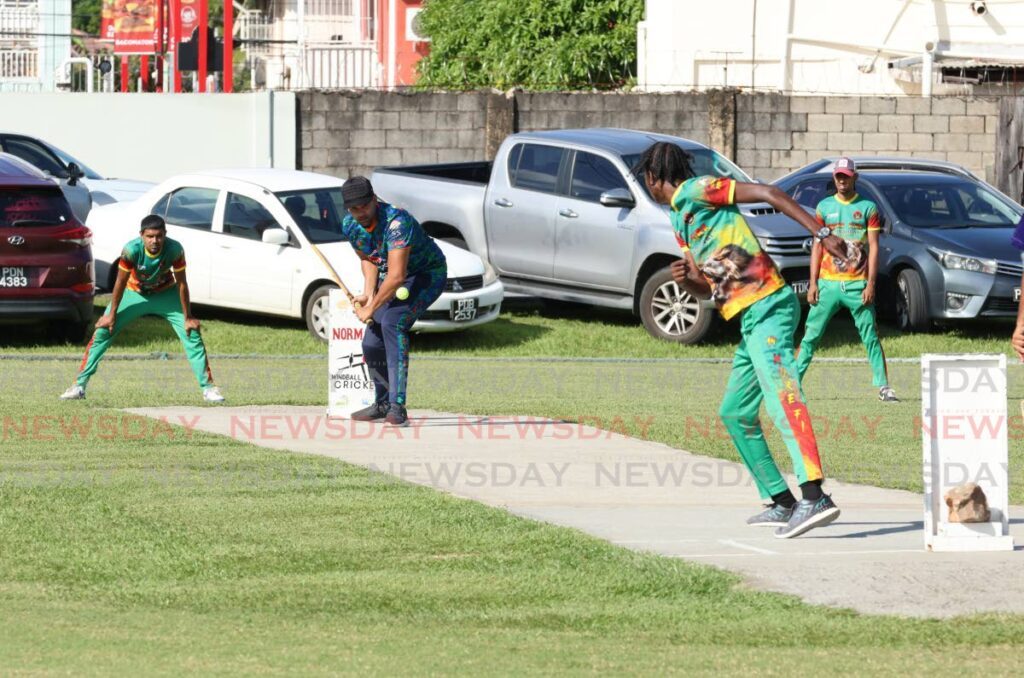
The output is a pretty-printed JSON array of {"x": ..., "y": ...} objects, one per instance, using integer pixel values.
[{"x": 386, "y": 341}]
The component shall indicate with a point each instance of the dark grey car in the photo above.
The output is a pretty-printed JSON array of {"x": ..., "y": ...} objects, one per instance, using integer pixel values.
[{"x": 945, "y": 250}]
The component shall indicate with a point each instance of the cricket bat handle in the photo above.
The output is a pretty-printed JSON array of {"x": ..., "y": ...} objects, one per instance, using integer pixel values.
[{"x": 337, "y": 279}]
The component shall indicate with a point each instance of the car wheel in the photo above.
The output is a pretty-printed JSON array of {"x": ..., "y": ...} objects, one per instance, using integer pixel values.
[
  {"x": 911, "y": 304},
  {"x": 318, "y": 312},
  {"x": 671, "y": 313}
]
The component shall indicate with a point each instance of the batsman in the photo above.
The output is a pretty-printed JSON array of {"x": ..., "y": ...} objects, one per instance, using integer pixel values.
[{"x": 396, "y": 254}]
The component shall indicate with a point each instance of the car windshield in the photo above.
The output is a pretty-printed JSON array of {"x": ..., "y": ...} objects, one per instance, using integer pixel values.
[
  {"x": 68, "y": 159},
  {"x": 705, "y": 161},
  {"x": 959, "y": 204},
  {"x": 317, "y": 212},
  {"x": 32, "y": 207}
]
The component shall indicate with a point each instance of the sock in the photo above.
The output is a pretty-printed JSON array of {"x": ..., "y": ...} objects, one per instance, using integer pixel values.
[
  {"x": 784, "y": 499},
  {"x": 811, "y": 490}
]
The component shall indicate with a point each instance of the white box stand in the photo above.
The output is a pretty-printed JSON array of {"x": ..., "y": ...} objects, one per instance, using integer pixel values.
[
  {"x": 349, "y": 386},
  {"x": 964, "y": 437}
]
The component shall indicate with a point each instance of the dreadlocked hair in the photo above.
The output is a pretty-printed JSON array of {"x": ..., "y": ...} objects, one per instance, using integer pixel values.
[{"x": 665, "y": 161}]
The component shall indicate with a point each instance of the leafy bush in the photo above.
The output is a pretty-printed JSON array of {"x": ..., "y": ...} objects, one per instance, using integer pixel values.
[{"x": 536, "y": 44}]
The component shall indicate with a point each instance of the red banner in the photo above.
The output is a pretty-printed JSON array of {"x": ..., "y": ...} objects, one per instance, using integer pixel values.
[
  {"x": 189, "y": 13},
  {"x": 107, "y": 20},
  {"x": 135, "y": 29}
]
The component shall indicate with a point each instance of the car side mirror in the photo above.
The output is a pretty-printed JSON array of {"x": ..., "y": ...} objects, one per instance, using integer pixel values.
[
  {"x": 74, "y": 173},
  {"x": 617, "y": 197},
  {"x": 276, "y": 236}
]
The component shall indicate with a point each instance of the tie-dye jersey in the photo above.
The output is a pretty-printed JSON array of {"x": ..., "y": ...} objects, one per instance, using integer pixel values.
[
  {"x": 149, "y": 273},
  {"x": 396, "y": 229},
  {"x": 708, "y": 224},
  {"x": 850, "y": 220}
]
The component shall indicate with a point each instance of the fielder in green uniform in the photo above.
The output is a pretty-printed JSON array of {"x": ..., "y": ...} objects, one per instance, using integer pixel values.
[
  {"x": 150, "y": 281},
  {"x": 721, "y": 259},
  {"x": 846, "y": 283}
]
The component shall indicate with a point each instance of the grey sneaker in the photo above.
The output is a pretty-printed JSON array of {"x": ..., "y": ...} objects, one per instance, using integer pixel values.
[
  {"x": 397, "y": 416},
  {"x": 807, "y": 515},
  {"x": 372, "y": 413},
  {"x": 74, "y": 392},
  {"x": 887, "y": 395},
  {"x": 774, "y": 515}
]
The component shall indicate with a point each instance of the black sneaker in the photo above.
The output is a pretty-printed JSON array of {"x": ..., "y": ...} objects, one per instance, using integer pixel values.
[
  {"x": 372, "y": 413},
  {"x": 774, "y": 515},
  {"x": 807, "y": 515},
  {"x": 887, "y": 395},
  {"x": 397, "y": 416}
]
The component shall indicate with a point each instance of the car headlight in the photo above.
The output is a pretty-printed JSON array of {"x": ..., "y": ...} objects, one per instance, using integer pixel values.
[
  {"x": 962, "y": 263},
  {"x": 490, "y": 275}
]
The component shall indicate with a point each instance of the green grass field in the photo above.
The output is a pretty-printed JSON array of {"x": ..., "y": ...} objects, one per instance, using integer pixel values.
[
  {"x": 525, "y": 329},
  {"x": 130, "y": 548}
]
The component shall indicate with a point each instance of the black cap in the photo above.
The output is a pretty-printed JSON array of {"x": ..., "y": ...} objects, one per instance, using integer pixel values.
[{"x": 356, "y": 191}]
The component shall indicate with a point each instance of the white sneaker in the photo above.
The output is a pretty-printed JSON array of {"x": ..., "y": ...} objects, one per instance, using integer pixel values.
[
  {"x": 211, "y": 394},
  {"x": 887, "y": 395},
  {"x": 74, "y": 392}
]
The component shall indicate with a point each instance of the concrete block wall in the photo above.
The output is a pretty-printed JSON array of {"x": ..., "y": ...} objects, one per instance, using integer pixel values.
[
  {"x": 681, "y": 114},
  {"x": 777, "y": 134},
  {"x": 348, "y": 132}
]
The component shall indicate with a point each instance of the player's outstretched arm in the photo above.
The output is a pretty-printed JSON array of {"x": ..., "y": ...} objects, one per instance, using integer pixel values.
[{"x": 748, "y": 192}]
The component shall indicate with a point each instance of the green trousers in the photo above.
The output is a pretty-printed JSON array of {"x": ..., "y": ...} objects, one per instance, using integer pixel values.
[
  {"x": 832, "y": 296},
  {"x": 764, "y": 368},
  {"x": 165, "y": 304}
]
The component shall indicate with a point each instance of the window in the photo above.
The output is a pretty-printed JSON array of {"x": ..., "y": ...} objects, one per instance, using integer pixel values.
[
  {"x": 35, "y": 154},
  {"x": 538, "y": 168},
  {"x": 24, "y": 207},
  {"x": 703, "y": 161},
  {"x": 189, "y": 207},
  {"x": 985, "y": 208},
  {"x": 810, "y": 193},
  {"x": 246, "y": 218},
  {"x": 317, "y": 213},
  {"x": 592, "y": 175}
]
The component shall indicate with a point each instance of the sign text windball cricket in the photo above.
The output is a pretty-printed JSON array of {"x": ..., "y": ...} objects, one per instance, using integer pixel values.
[{"x": 349, "y": 387}]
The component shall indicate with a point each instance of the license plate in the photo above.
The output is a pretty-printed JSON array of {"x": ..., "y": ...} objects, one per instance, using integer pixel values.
[
  {"x": 1016, "y": 294},
  {"x": 463, "y": 310},
  {"x": 801, "y": 286},
  {"x": 13, "y": 276}
]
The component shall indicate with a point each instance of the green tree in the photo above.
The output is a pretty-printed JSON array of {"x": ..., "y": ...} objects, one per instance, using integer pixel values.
[
  {"x": 537, "y": 44},
  {"x": 85, "y": 15}
]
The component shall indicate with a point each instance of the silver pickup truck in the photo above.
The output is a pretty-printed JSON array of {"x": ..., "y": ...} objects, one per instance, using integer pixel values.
[{"x": 561, "y": 215}]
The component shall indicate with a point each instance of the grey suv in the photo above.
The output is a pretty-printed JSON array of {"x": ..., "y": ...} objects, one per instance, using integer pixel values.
[{"x": 945, "y": 249}]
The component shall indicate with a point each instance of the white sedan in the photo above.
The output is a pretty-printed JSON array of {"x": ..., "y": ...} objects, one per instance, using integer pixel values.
[{"x": 248, "y": 237}]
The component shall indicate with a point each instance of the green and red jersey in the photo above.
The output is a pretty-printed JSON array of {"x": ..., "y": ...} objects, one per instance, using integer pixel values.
[
  {"x": 850, "y": 220},
  {"x": 708, "y": 224},
  {"x": 150, "y": 273}
]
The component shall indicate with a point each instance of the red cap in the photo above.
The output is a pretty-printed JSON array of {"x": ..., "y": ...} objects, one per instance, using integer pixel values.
[{"x": 844, "y": 166}]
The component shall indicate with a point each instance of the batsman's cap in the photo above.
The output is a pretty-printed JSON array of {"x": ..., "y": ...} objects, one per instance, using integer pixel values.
[
  {"x": 844, "y": 166},
  {"x": 356, "y": 191}
]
